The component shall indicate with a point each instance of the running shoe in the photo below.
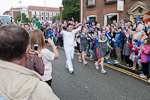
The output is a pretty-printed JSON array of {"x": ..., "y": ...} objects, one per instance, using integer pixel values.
[
  {"x": 80, "y": 59},
  {"x": 66, "y": 65},
  {"x": 103, "y": 71},
  {"x": 117, "y": 62},
  {"x": 143, "y": 76},
  {"x": 133, "y": 68},
  {"x": 96, "y": 65},
  {"x": 149, "y": 80},
  {"x": 85, "y": 63},
  {"x": 71, "y": 72}
]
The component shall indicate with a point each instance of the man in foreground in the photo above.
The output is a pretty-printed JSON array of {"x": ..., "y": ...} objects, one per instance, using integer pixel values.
[{"x": 16, "y": 81}]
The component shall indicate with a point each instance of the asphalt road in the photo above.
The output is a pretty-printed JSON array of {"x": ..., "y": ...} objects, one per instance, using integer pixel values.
[{"x": 87, "y": 83}]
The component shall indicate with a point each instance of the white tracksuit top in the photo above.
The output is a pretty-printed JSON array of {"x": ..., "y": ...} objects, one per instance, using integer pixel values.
[{"x": 69, "y": 37}]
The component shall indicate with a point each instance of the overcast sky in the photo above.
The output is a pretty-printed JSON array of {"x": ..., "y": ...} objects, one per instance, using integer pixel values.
[{"x": 7, "y": 4}]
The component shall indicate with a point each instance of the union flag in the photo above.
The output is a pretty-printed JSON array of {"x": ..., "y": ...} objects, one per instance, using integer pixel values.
[{"x": 146, "y": 17}]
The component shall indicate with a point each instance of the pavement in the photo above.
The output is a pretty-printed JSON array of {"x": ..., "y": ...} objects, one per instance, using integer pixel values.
[{"x": 87, "y": 83}]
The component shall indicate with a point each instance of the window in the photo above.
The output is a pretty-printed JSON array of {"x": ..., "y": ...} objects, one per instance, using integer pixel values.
[
  {"x": 58, "y": 14},
  {"x": 42, "y": 13},
  {"x": 46, "y": 18},
  {"x": 42, "y": 18},
  {"x": 109, "y": 18},
  {"x": 46, "y": 14},
  {"x": 110, "y": 1},
  {"x": 94, "y": 17},
  {"x": 33, "y": 13},
  {"x": 54, "y": 14},
  {"x": 37, "y": 13},
  {"x": 91, "y": 2},
  {"x": 50, "y": 14},
  {"x": 50, "y": 18}
]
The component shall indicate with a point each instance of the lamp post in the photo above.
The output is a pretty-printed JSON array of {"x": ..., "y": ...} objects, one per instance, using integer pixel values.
[
  {"x": 20, "y": 10},
  {"x": 45, "y": 8}
]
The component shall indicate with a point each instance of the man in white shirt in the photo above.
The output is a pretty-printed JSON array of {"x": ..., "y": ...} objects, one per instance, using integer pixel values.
[{"x": 68, "y": 37}]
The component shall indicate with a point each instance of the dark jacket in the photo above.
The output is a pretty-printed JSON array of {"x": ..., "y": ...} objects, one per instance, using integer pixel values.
[
  {"x": 126, "y": 48},
  {"x": 35, "y": 63}
]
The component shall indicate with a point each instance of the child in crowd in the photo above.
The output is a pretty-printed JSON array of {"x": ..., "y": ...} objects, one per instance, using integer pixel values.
[
  {"x": 134, "y": 54},
  {"x": 144, "y": 57},
  {"x": 102, "y": 50}
]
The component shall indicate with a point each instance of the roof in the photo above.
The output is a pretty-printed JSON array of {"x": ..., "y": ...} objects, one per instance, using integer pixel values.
[
  {"x": 138, "y": 3},
  {"x": 42, "y": 8}
]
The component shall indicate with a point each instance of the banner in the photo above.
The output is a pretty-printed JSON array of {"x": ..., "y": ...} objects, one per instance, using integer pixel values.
[
  {"x": 146, "y": 17},
  {"x": 120, "y": 5}
]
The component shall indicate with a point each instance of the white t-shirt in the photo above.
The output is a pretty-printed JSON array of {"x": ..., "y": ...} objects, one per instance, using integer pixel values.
[{"x": 47, "y": 57}]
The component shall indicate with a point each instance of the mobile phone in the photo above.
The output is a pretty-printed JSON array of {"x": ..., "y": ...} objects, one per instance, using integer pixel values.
[
  {"x": 46, "y": 41},
  {"x": 36, "y": 46}
]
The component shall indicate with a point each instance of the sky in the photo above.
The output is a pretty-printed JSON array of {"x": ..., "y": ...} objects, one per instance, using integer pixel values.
[{"x": 7, "y": 4}]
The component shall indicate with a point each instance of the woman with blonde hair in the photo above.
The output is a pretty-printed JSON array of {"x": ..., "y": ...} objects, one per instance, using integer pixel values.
[{"x": 37, "y": 37}]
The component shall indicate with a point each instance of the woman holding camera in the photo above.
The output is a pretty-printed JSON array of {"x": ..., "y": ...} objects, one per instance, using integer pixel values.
[{"x": 37, "y": 37}]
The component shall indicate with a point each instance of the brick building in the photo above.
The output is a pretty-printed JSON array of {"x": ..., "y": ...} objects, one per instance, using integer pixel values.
[
  {"x": 105, "y": 11},
  {"x": 40, "y": 12}
]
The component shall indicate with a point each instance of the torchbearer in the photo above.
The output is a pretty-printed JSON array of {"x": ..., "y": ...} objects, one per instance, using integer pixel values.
[{"x": 68, "y": 37}]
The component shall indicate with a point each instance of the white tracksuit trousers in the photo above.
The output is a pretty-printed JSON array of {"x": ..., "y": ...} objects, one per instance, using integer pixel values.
[{"x": 69, "y": 51}]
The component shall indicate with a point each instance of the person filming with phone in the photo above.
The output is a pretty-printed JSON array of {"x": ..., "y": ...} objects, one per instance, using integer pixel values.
[
  {"x": 38, "y": 45},
  {"x": 16, "y": 81}
]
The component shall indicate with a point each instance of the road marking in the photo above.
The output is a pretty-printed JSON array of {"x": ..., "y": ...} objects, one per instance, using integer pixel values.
[{"x": 116, "y": 68}]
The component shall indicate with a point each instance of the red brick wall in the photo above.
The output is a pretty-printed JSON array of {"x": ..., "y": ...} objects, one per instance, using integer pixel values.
[
  {"x": 101, "y": 9},
  {"x": 15, "y": 13},
  {"x": 30, "y": 15}
]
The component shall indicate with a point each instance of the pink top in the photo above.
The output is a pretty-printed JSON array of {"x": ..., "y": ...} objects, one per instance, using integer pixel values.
[{"x": 145, "y": 54}]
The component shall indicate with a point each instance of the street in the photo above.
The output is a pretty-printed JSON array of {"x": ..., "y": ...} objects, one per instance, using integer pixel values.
[{"x": 87, "y": 83}]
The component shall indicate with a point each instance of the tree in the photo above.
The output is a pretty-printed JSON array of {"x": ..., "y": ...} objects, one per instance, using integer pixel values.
[
  {"x": 24, "y": 18},
  {"x": 71, "y": 9},
  {"x": 56, "y": 17},
  {"x": 34, "y": 18}
]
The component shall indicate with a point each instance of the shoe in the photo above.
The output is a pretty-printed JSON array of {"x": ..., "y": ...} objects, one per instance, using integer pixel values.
[
  {"x": 103, "y": 71},
  {"x": 80, "y": 59},
  {"x": 71, "y": 72},
  {"x": 149, "y": 80},
  {"x": 85, "y": 63},
  {"x": 117, "y": 62},
  {"x": 133, "y": 68},
  {"x": 143, "y": 76},
  {"x": 107, "y": 57},
  {"x": 96, "y": 65},
  {"x": 66, "y": 65}
]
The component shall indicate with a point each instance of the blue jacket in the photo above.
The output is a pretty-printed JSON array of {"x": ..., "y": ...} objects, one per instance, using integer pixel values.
[
  {"x": 147, "y": 28},
  {"x": 119, "y": 40}
]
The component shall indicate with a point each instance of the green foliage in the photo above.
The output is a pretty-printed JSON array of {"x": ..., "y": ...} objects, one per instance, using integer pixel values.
[
  {"x": 56, "y": 17},
  {"x": 24, "y": 18},
  {"x": 71, "y": 9},
  {"x": 34, "y": 17}
]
